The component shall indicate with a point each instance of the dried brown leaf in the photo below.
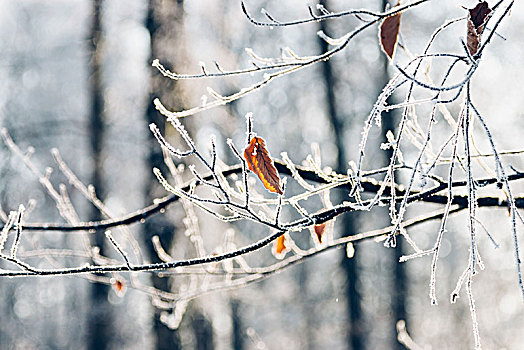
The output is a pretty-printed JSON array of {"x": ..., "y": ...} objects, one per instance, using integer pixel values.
[
  {"x": 319, "y": 231},
  {"x": 119, "y": 286},
  {"x": 388, "y": 33},
  {"x": 259, "y": 162},
  {"x": 476, "y": 21}
]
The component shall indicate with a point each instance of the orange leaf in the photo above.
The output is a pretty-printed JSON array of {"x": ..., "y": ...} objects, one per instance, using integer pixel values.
[
  {"x": 279, "y": 247},
  {"x": 280, "y": 244},
  {"x": 476, "y": 21},
  {"x": 388, "y": 33},
  {"x": 119, "y": 286},
  {"x": 319, "y": 231},
  {"x": 259, "y": 162}
]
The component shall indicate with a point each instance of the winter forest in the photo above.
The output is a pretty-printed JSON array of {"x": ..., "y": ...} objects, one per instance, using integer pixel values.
[{"x": 261, "y": 174}]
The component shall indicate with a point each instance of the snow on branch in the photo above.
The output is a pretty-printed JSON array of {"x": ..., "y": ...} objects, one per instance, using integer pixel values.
[{"x": 227, "y": 193}]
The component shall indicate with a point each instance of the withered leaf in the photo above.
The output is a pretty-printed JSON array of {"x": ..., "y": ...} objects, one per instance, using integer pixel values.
[
  {"x": 119, "y": 286},
  {"x": 476, "y": 20},
  {"x": 259, "y": 162},
  {"x": 319, "y": 231},
  {"x": 388, "y": 33},
  {"x": 279, "y": 247}
]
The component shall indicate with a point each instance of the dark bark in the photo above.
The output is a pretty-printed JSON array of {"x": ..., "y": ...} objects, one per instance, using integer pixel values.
[
  {"x": 238, "y": 328},
  {"x": 203, "y": 331},
  {"x": 163, "y": 21},
  {"x": 399, "y": 281},
  {"x": 356, "y": 336},
  {"x": 99, "y": 324}
]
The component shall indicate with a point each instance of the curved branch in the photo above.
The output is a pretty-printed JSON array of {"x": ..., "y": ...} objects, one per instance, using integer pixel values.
[
  {"x": 220, "y": 257},
  {"x": 314, "y": 18},
  {"x": 429, "y": 196}
]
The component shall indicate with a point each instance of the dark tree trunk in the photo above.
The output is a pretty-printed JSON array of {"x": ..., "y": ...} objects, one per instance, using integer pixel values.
[
  {"x": 99, "y": 324},
  {"x": 399, "y": 281},
  {"x": 163, "y": 21},
  {"x": 203, "y": 331},
  {"x": 238, "y": 328},
  {"x": 356, "y": 337}
]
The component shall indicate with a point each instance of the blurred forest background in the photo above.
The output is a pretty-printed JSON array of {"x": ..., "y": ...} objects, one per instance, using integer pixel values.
[{"x": 77, "y": 76}]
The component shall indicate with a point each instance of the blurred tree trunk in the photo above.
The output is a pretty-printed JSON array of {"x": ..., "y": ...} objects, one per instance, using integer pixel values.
[
  {"x": 238, "y": 330},
  {"x": 99, "y": 324},
  {"x": 399, "y": 281},
  {"x": 202, "y": 330},
  {"x": 7, "y": 330},
  {"x": 237, "y": 326},
  {"x": 356, "y": 336},
  {"x": 165, "y": 23},
  {"x": 307, "y": 306}
]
